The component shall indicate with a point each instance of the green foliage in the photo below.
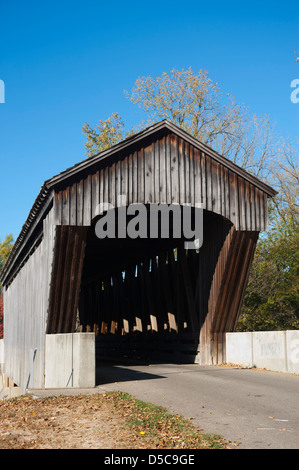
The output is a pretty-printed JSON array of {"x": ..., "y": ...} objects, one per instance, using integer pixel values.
[
  {"x": 5, "y": 249},
  {"x": 160, "y": 429},
  {"x": 1, "y": 316},
  {"x": 272, "y": 297},
  {"x": 196, "y": 104},
  {"x": 104, "y": 135}
]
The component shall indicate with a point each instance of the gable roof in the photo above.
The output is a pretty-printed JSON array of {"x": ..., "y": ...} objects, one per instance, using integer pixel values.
[{"x": 160, "y": 127}]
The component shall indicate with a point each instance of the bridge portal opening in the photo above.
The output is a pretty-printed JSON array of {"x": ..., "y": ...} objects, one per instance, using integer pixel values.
[{"x": 147, "y": 298}]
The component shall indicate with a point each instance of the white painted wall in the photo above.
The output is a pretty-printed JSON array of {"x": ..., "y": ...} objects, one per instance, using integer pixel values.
[{"x": 272, "y": 350}]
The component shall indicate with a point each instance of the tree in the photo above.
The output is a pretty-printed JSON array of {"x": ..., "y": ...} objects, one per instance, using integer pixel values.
[
  {"x": 106, "y": 134},
  {"x": 196, "y": 104},
  {"x": 1, "y": 316},
  {"x": 272, "y": 297},
  {"x": 5, "y": 249}
]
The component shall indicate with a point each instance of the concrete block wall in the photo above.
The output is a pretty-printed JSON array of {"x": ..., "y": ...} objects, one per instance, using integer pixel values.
[
  {"x": 272, "y": 350},
  {"x": 70, "y": 360}
]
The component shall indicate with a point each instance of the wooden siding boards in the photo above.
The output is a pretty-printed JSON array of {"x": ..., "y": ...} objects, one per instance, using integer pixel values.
[
  {"x": 168, "y": 170},
  {"x": 66, "y": 279},
  {"x": 26, "y": 305}
]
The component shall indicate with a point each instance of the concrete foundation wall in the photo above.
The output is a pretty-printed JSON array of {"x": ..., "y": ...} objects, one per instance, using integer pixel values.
[
  {"x": 70, "y": 360},
  {"x": 272, "y": 350}
]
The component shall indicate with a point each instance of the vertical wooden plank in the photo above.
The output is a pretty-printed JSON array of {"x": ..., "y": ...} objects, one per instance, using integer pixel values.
[
  {"x": 252, "y": 207},
  {"x": 241, "y": 197},
  {"x": 131, "y": 187},
  {"x": 157, "y": 171},
  {"x": 174, "y": 169},
  {"x": 168, "y": 171},
  {"x": 124, "y": 178},
  {"x": 188, "y": 174},
  {"x": 247, "y": 206},
  {"x": 217, "y": 195},
  {"x": 135, "y": 180},
  {"x": 65, "y": 216},
  {"x": 118, "y": 181},
  {"x": 163, "y": 187},
  {"x": 87, "y": 200},
  {"x": 233, "y": 197},
  {"x": 73, "y": 204},
  {"x": 192, "y": 178},
  {"x": 265, "y": 205},
  {"x": 95, "y": 193},
  {"x": 226, "y": 212},
  {"x": 101, "y": 186},
  {"x": 140, "y": 195},
  {"x": 57, "y": 208},
  {"x": 80, "y": 196},
  {"x": 261, "y": 209},
  {"x": 209, "y": 183},
  {"x": 203, "y": 180},
  {"x": 148, "y": 175},
  {"x": 106, "y": 185},
  {"x": 112, "y": 184},
  {"x": 197, "y": 176},
  {"x": 182, "y": 172},
  {"x": 222, "y": 190}
]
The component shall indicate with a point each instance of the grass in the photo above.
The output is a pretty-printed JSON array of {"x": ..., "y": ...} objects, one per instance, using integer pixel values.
[
  {"x": 157, "y": 428},
  {"x": 108, "y": 420}
]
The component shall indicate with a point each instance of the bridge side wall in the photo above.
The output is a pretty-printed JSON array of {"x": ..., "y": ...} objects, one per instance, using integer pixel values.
[{"x": 25, "y": 314}]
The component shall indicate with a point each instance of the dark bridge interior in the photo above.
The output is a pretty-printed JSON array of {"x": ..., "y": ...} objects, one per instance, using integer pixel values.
[{"x": 148, "y": 298}]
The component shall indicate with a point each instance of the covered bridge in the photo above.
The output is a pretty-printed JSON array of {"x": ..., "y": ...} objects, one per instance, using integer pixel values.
[{"x": 136, "y": 297}]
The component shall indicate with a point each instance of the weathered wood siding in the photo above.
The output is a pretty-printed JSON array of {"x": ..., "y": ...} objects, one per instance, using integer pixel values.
[
  {"x": 69, "y": 251},
  {"x": 168, "y": 170},
  {"x": 26, "y": 306},
  {"x": 226, "y": 291}
]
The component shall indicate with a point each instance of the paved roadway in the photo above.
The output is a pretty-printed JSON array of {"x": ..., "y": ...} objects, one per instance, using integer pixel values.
[{"x": 254, "y": 409}]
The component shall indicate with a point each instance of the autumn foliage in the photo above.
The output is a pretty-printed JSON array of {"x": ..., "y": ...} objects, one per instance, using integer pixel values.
[{"x": 1, "y": 316}]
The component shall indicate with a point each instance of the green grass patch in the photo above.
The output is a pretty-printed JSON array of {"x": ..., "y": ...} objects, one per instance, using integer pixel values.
[{"x": 155, "y": 427}]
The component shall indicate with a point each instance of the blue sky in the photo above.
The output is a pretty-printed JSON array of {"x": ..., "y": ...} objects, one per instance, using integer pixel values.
[{"x": 68, "y": 62}]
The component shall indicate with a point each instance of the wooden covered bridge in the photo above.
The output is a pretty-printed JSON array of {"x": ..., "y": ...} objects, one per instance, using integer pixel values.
[{"x": 142, "y": 297}]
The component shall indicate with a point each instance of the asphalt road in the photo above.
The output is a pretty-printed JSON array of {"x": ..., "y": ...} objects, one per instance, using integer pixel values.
[{"x": 254, "y": 409}]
